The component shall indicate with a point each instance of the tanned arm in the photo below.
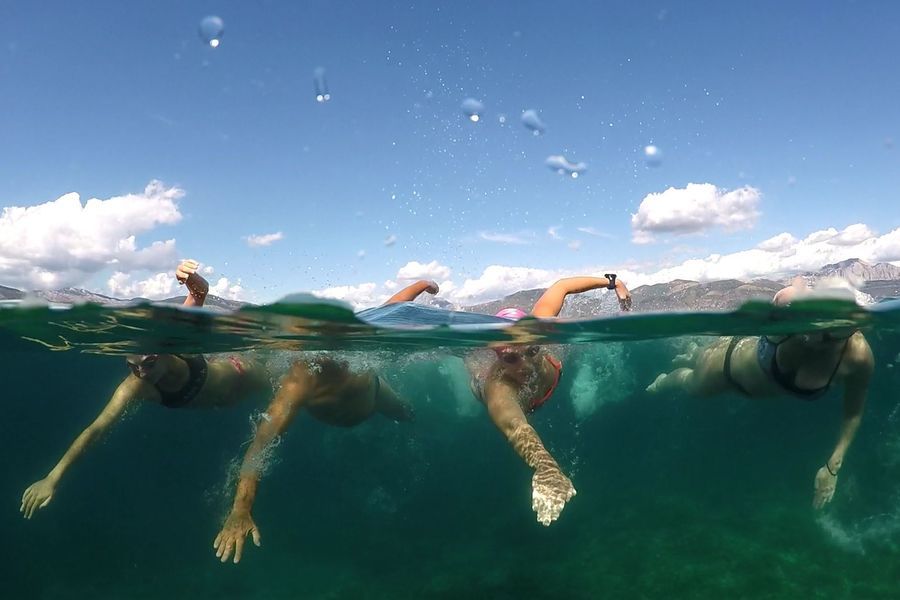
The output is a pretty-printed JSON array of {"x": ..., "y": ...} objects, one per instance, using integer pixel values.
[
  {"x": 861, "y": 364},
  {"x": 411, "y": 292},
  {"x": 187, "y": 275},
  {"x": 39, "y": 494},
  {"x": 295, "y": 387},
  {"x": 551, "y": 302},
  {"x": 551, "y": 489}
]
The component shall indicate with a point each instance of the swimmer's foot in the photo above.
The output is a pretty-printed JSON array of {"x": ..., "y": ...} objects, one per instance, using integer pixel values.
[{"x": 654, "y": 387}]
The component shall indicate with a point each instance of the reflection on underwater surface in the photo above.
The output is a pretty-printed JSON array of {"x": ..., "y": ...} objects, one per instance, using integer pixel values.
[{"x": 677, "y": 496}]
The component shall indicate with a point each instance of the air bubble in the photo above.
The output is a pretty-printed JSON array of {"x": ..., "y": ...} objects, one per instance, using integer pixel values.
[
  {"x": 473, "y": 109},
  {"x": 564, "y": 166},
  {"x": 532, "y": 122},
  {"x": 211, "y": 30},
  {"x": 652, "y": 156},
  {"x": 321, "y": 85}
]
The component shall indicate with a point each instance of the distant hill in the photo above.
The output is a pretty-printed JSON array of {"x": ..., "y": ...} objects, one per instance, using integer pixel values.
[
  {"x": 7, "y": 293},
  {"x": 855, "y": 270}
]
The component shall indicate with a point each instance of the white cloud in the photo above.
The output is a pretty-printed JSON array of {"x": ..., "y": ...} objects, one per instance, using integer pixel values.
[
  {"x": 224, "y": 288},
  {"x": 64, "y": 242},
  {"x": 496, "y": 281},
  {"x": 164, "y": 285},
  {"x": 785, "y": 254},
  {"x": 155, "y": 287},
  {"x": 693, "y": 209},
  {"x": 778, "y": 256},
  {"x": 852, "y": 235},
  {"x": 778, "y": 243},
  {"x": 553, "y": 232},
  {"x": 359, "y": 296},
  {"x": 503, "y": 238},
  {"x": 265, "y": 239},
  {"x": 593, "y": 231},
  {"x": 415, "y": 270}
]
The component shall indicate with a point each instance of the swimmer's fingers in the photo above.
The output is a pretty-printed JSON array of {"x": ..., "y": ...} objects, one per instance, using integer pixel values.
[
  {"x": 238, "y": 549},
  {"x": 257, "y": 539},
  {"x": 225, "y": 549},
  {"x": 185, "y": 269},
  {"x": 33, "y": 499}
]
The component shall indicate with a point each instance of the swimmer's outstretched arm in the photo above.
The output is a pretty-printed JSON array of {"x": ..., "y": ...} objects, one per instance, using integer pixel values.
[
  {"x": 856, "y": 385},
  {"x": 550, "y": 488},
  {"x": 40, "y": 493},
  {"x": 551, "y": 302},
  {"x": 295, "y": 387},
  {"x": 187, "y": 275},
  {"x": 411, "y": 292}
]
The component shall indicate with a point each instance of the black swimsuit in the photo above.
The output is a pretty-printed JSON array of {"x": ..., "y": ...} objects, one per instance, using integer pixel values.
[
  {"x": 767, "y": 356},
  {"x": 197, "y": 371}
]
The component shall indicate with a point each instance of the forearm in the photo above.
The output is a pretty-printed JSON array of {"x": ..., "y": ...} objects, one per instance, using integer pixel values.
[
  {"x": 411, "y": 292},
  {"x": 81, "y": 443},
  {"x": 256, "y": 460},
  {"x": 849, "y": 426},
  {"x": 551, "y": 302},
  {"x": 197, "y": 288},
  {"x": 527, "y": 444}
]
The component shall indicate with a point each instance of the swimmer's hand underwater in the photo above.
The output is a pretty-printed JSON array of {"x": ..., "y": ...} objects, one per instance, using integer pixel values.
[
  {"x": 550, "y": 490},
  {"x": 38, "y": 495},
  {"x": 235, "y": 530},
  {"x": 825, "y": 485}
]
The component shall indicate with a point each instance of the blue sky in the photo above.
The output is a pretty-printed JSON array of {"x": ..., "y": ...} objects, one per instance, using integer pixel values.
[{"x": 796, "y": 102}]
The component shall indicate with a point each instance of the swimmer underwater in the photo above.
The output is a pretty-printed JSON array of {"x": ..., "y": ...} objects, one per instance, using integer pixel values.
[
  {"x": 804, "y": 366},
  {"x": 332, "y": 393},
  {"x": 521, "y": 379},
  {"x": 174, "y": 381}
]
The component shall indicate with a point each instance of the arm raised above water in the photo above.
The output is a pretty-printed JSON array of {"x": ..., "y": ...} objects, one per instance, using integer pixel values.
[
  {"x": 412, "y": 291},
  {"x": 187, "y": 275},
  {"x": 551, "y": 302}
]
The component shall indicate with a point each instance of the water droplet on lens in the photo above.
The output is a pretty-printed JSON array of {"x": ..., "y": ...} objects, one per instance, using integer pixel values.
[
  {"x": 502, "y": 119},
  {"x": 390, "y": 240},
  {"x": 472, "y": 108},
  {"x": 321, "y": 85},
  {"x": 564, "y": 166},
  {"x": 211, "y": 30},
  {"x": 652, "y": 156},
  {"x": 532, "y": 121}
]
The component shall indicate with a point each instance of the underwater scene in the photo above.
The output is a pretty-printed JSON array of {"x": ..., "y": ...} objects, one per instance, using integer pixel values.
[
  {"x": 677, "y": 495},
  {"x": 336, "y": 299}
]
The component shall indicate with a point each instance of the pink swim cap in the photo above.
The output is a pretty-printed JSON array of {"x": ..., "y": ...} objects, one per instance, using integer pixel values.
[{"x": 513, "y": 314}]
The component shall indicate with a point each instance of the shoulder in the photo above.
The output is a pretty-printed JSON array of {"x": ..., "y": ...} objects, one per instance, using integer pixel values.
[
  {"x": 858, "y": 357},
  {"x": 135, "y": 388}
]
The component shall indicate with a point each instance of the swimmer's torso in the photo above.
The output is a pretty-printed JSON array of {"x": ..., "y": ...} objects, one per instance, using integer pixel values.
[{"x": 336, "y": 395}]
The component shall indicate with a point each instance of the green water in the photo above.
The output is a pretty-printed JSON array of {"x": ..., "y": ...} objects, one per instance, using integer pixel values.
[{"x": 677, "y": 496}]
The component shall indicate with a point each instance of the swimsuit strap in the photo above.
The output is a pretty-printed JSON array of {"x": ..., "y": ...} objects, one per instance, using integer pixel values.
[
  {"x": 788, "y": 382},
  {"x": 557, "y": 366},
  {"x": 726, "y": 369}
]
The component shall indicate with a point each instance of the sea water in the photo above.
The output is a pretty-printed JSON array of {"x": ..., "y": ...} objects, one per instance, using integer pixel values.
[{"x": 677, "y": 496}]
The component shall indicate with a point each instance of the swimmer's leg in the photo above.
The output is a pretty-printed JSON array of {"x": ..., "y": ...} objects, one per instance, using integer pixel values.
[
  {"x": 388, "y": 403},
  {"x": 678, "y": 380}
]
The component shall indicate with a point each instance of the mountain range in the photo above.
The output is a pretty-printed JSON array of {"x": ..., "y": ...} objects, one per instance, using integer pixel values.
[{"x": 881, "y": 280}]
